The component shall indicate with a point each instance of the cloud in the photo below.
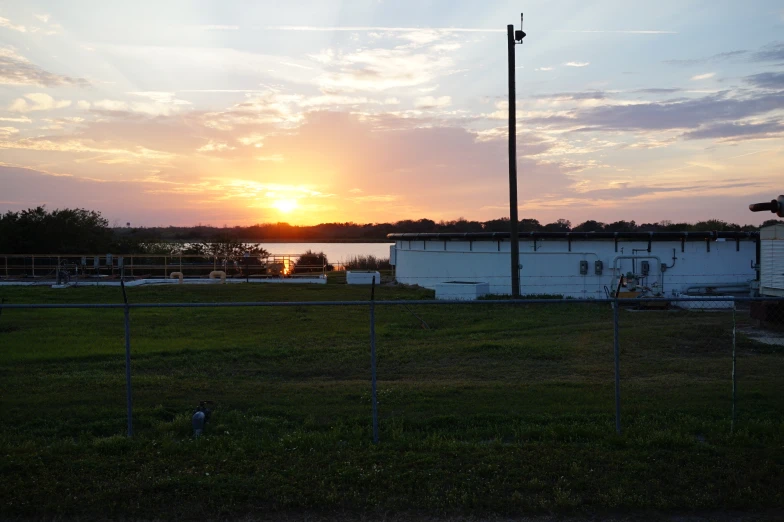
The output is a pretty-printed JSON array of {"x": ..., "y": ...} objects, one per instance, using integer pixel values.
[
  {"x": 773, "y": 52},
  {"x": 577, "y": 64},
  {"x": 212, "y": 146},
  {"x": 21, "y": 119},
  {"x": 5, "y": 22},
  {"x": 216, "y": 27},
  {"x": 44, "y": 17},
  {"x": 705, "y": 76},
  {"x": 767, "y": 80},
  {"x": 583, "y": 95},
  {"x": 17, "y": 70},
  {"x": 359, "y": 29},
  {"x": 658, "y": 90},
  {"x": 175, "y": 61},
  {"x": 381, "y": 69},
  {"x": 709, "y": 59},
  {"x": 382, "y": 198},
  {"x": 735, "y": 131},
  {"x": 161, "y": 97},
  {"x": 546, "y": 69},
  {"x": 687, "y": 114},
  {"x": 160, "y": 104},
  {"x": 37, "y": 102},
  {"x": 110, "y": 105},
  {"x": 615, "y": 31},
  {"x": 432, "y": 102}
]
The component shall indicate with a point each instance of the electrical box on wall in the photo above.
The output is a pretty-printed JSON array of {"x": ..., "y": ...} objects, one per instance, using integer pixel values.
[
  {"x": 598, "y": 266},
  {"x": 645, "y": 267},
  {"x": 583, "y": 267}
]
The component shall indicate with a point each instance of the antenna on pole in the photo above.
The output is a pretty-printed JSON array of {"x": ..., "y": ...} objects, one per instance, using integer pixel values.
[{"x": 519, "y": 35}]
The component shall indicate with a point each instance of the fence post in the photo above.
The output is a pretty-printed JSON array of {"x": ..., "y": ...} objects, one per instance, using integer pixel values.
[
  {"x": 734, "y": 375},
  {"x": 617, "y": 369},
  {"x": 373, "y": 397},
  {"x": 128, "y": 395}
]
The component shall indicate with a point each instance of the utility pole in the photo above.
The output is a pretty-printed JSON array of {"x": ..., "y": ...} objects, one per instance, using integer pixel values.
[{"x": 513, "y": 37}]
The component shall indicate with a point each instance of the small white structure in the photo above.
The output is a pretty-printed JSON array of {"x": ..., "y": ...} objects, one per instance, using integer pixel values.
[
  {"x": 362, "y": 277},
  {"x": 461, "y": 290},
  {"x": 582, "y": 264},
  {"x": 772, "y": 261}
]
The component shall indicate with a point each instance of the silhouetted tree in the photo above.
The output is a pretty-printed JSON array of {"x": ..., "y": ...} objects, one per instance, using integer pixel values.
[
  {"x": 66, "y": 231},
  {"x": 562, "y": 225},
  {"x": 589, "y": 226},
  {"x": 621, "y": 226}
]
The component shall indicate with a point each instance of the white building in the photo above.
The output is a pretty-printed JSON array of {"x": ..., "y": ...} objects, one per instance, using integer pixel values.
[{"x": 581, "y": 264}]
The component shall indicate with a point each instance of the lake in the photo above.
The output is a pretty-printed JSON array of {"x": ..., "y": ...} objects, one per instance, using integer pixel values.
[{"x": 335, "y": 252}]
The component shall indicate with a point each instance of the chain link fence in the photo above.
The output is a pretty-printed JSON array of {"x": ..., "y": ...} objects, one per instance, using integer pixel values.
[{"x": 643, "y": 353}]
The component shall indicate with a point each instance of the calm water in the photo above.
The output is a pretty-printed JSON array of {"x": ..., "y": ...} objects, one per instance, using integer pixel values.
[{"x": 336, "y": 252}]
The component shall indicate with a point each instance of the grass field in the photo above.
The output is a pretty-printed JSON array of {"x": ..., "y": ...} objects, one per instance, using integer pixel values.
[{"x": 494, "y": 409}]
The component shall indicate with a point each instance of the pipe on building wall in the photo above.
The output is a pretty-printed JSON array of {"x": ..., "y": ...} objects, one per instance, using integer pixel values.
[{"x": 658, "y": 264}]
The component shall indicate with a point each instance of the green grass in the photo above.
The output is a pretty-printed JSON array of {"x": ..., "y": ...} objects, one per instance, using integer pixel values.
[{"x": 495, "y": 409}]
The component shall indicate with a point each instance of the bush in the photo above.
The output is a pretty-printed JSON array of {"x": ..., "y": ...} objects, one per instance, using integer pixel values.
[
  {"x": 311, "y": 262},
  {"x": 369, "y": 262}
]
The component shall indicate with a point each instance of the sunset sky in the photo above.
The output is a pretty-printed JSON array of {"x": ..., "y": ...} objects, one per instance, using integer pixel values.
[{"x": 178, "y": 113}]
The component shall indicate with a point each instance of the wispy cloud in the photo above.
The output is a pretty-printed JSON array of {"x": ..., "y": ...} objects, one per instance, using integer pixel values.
[
  {"x": 615, "y": 31},
  {"x": 705, "y": 76},
  {"x": 21, "y": 119},
  {"x": 433, "y": 102},
  {"x": 17, "y": 70},
  {"x": 577, "y": 64},
  {"x": 772, "y": 52},
  {"x": 767, "y": 80},
  {"x": 546, "y": 69},
  {"x": 5, "y": 22},
  {"x": 380, "y": 69},
  {"x": 217, "y": 27},
  {"x": 709, "y": 59},
  {"x": 38, "y": 101},
  {"x": 366, "y": 28}
]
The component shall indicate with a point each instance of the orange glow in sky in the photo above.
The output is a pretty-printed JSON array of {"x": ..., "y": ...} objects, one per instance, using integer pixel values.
[{"x": 257, "y": 112}]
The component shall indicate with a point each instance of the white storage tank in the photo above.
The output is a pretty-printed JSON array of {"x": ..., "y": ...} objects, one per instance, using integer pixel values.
[
  {"x": 461, "y": 290},
  {"x": 362, "y": 277},
  {"x": 772, "y": 261}
]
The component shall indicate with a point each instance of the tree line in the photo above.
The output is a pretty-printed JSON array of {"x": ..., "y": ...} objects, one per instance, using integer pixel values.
[{"x": 69, "y": 231}]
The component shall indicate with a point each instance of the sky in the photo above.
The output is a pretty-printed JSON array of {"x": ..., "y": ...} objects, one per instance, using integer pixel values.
[{"x": 236, "y": 113}]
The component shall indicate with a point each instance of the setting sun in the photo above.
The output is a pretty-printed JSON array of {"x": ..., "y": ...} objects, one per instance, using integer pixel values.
[{"x": 285, "y": 205}]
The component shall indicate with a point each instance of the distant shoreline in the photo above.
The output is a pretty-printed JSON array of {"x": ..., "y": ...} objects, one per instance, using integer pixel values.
[{"x": 201, "y": 240}]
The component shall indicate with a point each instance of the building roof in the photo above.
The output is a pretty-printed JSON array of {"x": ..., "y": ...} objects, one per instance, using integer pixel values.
[{"x": 638, "y": 236}]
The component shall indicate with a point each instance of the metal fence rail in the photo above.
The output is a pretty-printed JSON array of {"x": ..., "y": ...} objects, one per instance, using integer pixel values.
[{"x": 615, "y": 303}]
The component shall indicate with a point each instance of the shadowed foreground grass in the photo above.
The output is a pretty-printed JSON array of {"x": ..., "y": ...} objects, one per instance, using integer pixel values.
[{"x": 492, "y": 410}]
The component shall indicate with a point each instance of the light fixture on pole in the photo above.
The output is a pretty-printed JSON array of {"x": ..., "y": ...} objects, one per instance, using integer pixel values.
[{"x": 513, "y": 37}]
